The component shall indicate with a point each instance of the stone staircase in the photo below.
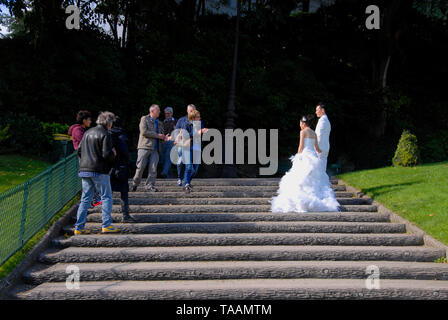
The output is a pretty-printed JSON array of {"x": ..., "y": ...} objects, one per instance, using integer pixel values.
[{"x": 221, "y": 242}]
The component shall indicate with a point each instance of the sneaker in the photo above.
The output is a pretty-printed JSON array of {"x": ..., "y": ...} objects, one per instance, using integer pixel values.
[
  {"x": 151, "y": 189},
  {"x": 133, "y": 188},
  {"x": 97, "y": 203},
  {"x": 81, "y": 231},
  {"x": 179, "y": 183},
  {"x": 110, "y": 229},
  {"x": 128, "y": 219},
  {"x": 187, "y": 188}
]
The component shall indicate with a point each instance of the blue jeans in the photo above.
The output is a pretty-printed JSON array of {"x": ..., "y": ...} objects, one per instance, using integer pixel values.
[
  {"x": 190, "y": 168},
  {"x": 166, "y": 160},
  {"x": 101, "y": 184},
  {"x": 180, "y": 165}
]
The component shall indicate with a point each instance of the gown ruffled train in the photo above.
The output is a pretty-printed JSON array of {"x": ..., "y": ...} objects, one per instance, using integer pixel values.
[{"x": 306, "y": 186}]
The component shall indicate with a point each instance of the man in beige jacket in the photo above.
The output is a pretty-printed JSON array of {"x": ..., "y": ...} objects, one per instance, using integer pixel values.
[{"x": 149, "y": 147}]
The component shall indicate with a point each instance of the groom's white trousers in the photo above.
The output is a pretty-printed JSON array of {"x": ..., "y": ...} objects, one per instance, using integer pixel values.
[{"x": 323, "y": 159}]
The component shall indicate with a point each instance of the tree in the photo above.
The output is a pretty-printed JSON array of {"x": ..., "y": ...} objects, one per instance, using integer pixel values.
[{"x": 229, "y": 171}]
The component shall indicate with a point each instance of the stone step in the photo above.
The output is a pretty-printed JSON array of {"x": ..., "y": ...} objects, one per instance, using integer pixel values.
[
  {"x": 219, "y": 208},
  {"x": 224, "y": 201},
  {"x": 210, "y": 270},
  {"x": 259, "y": 253},
  {"x": 254, "y": 188},
  {"x": 224, "y": 182},
  {"x": 238, "y": 239},
  {"x": 215, "y": 194},
  {"x": 248, "y": 216},
  {"x": 237, "y": 289},
  {"x": 252, "y": 227},
  {"x": 248, "y": 289}
]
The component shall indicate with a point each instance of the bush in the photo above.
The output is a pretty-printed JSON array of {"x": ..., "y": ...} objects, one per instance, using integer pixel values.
[
  {"x": 51, "y": 128},
  {"x": 26, "y": 134},
  {"x": 407, "y": 153}
]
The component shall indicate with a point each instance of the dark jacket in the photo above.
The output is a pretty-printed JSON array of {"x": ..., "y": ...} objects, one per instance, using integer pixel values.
[
  {"x": 119, "y": 173},
  {"x": 181, "y": 122},
  {"x": 95, "y": 151},
  {"x": 169, "y": 125},
  {"x": 76, "y": 131}
]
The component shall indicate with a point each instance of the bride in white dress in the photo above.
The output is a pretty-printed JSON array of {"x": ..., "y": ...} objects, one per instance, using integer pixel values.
[{"x": 306, "y": 186}]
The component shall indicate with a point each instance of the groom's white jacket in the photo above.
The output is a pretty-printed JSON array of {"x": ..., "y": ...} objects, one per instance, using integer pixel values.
[{"x": 323, "y": 129}]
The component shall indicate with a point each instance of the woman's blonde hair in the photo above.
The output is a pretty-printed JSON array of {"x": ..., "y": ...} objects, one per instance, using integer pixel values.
[{"x": 193, "y": 114}]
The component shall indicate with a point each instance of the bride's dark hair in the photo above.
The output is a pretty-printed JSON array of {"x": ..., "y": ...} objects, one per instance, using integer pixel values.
[{"x": 307, "y": 119}]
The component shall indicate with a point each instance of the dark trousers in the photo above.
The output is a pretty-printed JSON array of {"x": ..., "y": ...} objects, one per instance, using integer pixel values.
[
  {"x": 180, "y": 165},
  {"x": 124, "y": 196}
]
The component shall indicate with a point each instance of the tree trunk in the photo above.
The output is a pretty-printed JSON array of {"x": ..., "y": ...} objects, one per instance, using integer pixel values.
[
  {"x": 229, "y": 171},
  {"x": 231, "y": 115},
  {"x": 390, "y": 31},
  {"x": 125, "y": 27},
  {"x": 200, "y": 9}
]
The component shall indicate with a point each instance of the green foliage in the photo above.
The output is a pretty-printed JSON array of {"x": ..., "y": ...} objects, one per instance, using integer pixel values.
[
  {"x": 4, "y": 135},
  {"x": 441, "y": 260},
  {"x": 26, "y": 134},
  {"x": 174, "y": 55},
  {"x": 435, "y": 9},
  {"x": 407, "y": 153},
  {"x": 52, "y": 128},
  {"x": 435, "y": 147}
]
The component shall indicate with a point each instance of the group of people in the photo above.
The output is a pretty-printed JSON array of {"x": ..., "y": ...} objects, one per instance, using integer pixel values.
[
  {"x": 157, "y": 139},
  {"x": 103, "y": 155},
  {"x": 104, "y": 162}
]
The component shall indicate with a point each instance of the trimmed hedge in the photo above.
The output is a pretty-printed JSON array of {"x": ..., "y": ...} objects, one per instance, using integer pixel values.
[{"x": 407, "y": 153}]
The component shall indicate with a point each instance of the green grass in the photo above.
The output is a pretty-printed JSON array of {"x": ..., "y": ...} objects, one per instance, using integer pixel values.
[
  {"x": 418, "y": 194},
  {"x": 16, "y": 258},
  {"x": 15, "y": 169},
  {"x": 25, "y": 211}
]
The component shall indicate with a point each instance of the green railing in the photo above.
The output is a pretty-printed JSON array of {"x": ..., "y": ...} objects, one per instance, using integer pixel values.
[{"x": 26, "y": 208}]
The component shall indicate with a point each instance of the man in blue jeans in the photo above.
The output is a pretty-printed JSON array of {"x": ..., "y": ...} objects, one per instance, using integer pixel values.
[{"x": 96, "y": 156}]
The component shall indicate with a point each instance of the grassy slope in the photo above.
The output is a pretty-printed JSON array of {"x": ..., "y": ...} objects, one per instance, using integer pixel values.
[
  {"x": 418, "y": 194},
  {"x": 15, "y": 169},
  {"x": 16, "y": 258}
]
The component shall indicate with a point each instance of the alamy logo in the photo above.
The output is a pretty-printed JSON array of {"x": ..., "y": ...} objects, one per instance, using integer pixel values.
[
  {"x": 72, "y": 281},
  {"x": 373, "y": 21},
  {"x": 189, "y": 147},
  {"x": 373, "y": 279},
  {"x": 72, "y": 21}
]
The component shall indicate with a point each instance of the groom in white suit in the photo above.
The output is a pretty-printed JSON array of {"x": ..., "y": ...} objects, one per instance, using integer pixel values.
[{"x": 323, "y": 129}]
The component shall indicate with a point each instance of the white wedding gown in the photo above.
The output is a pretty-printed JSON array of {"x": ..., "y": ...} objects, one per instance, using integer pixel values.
[{"x": 306, "y": 186}]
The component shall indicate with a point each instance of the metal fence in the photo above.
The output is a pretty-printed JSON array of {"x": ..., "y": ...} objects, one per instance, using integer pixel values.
[{"x": 26, "y": 208}]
